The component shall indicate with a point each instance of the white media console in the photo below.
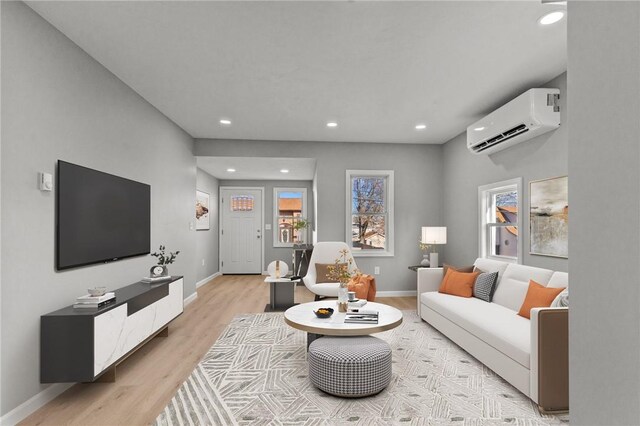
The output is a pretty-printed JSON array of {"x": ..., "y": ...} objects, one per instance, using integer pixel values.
[{"x": 81, "y": 346}]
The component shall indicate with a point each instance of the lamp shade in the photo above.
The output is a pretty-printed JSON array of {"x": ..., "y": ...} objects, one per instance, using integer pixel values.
[{"x": 434, "y": 235}]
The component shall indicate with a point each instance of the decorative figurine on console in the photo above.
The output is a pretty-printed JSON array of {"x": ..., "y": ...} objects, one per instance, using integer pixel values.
[{"x": 161, "y": 270}]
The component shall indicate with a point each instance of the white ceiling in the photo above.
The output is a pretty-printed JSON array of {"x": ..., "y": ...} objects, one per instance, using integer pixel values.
[
  {"x": 281, "y": 70},
  {"x": 257, "y": 168}
]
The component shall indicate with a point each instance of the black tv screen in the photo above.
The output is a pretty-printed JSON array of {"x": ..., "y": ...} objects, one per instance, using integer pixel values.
[{"x": 100, "y": 217}]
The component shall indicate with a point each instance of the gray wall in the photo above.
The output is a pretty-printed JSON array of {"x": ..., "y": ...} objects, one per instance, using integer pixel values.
[
  {"x": 542, "y": 157},
  {"x": 604, "y": 191},
  {"x": 207, "y": 240},
  {"x": 59, "y": 103},
  {"x": 418, "y": 191},
  {"x": 272, "y": 253}
]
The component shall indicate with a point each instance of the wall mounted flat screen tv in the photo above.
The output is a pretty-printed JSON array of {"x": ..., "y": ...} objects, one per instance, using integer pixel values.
[{"x": 100, "y": 217}]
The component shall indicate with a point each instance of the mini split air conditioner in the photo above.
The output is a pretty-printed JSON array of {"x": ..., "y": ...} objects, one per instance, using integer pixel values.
[{"x": 531, "y": 114}]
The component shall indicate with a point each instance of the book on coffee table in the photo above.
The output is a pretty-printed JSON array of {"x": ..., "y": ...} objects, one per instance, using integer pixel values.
[{"x": 362, "y": 317}]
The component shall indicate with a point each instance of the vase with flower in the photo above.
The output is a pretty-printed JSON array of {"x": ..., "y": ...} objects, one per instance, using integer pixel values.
[
  {"x": 425, "y": 249},
  {"x": 342, "y": 271}
]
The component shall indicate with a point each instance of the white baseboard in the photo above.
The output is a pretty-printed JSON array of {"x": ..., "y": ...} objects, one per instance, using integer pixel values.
[
  {"x": 31, "y": 405},
  {"x": 206, "y": 280},
  {"x": 403, "y": 293},
  {"x": 190, "y": 299}
]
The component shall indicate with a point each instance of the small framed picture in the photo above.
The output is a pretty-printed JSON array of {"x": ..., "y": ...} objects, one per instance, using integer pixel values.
[{"x": 202, "y": 211}]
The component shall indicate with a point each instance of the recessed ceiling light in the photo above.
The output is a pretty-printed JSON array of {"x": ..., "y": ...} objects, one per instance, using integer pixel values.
[
  {"x": 551, "y": 17},
  {"x": 332, "y": 124},
  {"x": 225, "y": 122},
  {"x": 477, "y": 129},
  {"x": 284, "y": 170},
  {"x": 421, "y": 126},
  {"x": 231, "y": 170}
]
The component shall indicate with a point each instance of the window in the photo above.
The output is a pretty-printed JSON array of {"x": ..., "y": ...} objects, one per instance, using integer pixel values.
[
  {"x": 370, "y": 212},
  {"x": 500, "y": 220},
  {"x": 290, "y": 216}
]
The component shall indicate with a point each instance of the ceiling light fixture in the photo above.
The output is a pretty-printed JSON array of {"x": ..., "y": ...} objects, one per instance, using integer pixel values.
[
  {"x": 284, "y": 170},
  {"x": 231, "y": 170},
  {"x": 225, "y": 122},
  {"x": 421, "y": 126},
  {"x": 332, "y": 124},
  {"x": 551, "y": 17},
  {"x": 477, "y": 129}
]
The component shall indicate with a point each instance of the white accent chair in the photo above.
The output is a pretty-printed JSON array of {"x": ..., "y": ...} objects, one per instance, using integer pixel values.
[{"x": 325, "y": 252}]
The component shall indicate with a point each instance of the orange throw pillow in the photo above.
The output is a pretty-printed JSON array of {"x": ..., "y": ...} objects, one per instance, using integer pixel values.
[
  {"x": 538, "y": 296},
  {"x": 458, "y": 283}
]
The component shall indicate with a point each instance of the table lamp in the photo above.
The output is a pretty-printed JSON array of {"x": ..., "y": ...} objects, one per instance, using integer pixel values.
[{"x": 433, "y": 235}]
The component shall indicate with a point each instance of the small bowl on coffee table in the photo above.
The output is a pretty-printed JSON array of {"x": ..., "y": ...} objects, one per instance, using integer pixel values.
[{"x": 324, "y": 312}]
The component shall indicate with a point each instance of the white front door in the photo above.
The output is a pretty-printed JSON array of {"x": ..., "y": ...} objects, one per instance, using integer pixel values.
[{"x": 241, "y": 231}]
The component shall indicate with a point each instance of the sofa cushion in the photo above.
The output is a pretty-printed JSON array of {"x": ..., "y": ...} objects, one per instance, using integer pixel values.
[
  {"x": 559, "y": 280},
  {"x": 538, "y": 296},
  {"x": 446, "y": 268},
  {"x": 485, "y": 286},
  {"x": 514, "y": 283},
  {"x": 494, "y": 324},
  {"x": 458, "y": 283},
  {"x": 489, "y": 265}
]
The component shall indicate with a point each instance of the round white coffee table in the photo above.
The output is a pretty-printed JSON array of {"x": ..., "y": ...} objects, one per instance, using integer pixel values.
[{"x": 302, "y": 317}]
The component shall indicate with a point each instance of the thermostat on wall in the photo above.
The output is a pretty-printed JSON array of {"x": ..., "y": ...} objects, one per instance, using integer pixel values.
[{"x": 46, "y": 181}]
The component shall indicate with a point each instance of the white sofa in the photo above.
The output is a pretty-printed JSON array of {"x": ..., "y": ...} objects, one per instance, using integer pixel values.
[{"x": 532, "y": 355}]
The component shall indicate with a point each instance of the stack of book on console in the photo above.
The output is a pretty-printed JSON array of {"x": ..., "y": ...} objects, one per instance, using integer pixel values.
[
  {"x": 94, "y": 302},
  {"x": 362, "y": 317}
]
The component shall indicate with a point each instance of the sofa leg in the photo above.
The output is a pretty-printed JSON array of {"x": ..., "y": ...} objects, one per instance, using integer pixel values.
[{"x": 317, "y": 298}]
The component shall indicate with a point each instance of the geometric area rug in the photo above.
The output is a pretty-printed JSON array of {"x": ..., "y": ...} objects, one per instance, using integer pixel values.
[{"x": 256, "y": 374}]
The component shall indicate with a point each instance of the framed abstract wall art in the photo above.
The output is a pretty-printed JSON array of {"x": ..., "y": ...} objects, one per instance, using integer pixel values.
[{"x": 549, "y": 217}]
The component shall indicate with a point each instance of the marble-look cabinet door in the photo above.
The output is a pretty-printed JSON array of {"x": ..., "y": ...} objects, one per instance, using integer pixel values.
[
  {"x": 116, "y": 333},
  {"x": 108, "y": 329}
]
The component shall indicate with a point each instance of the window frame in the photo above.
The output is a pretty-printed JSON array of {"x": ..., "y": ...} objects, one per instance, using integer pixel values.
[
  {"x": 485, "y": 193},
  {"x": 389, "y": 204},
  {"x": 276, "y": 216}
]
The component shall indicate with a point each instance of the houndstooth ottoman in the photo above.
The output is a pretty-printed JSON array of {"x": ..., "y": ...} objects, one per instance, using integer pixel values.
[{"x": 350, "y": 366}]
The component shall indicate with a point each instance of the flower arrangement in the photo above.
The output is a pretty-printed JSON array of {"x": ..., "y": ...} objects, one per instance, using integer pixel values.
[
  {"x": 424, "y": 246},
  {"x": 163, "y": 259},
  {"x": 341, "y": 269}
]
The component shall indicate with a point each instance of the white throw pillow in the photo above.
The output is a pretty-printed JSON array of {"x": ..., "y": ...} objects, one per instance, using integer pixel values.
[{"x": 561, "y": 300}]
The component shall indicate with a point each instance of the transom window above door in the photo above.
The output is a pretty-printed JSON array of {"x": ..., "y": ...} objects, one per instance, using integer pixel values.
[{"x": 290, "y": 216}]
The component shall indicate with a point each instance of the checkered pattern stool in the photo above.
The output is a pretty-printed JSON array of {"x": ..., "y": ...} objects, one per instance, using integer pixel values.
[{"x": 350, "y": 366}]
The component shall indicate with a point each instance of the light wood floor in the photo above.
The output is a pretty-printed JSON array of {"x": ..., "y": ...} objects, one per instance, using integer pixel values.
[{"x": 148, "y": 379}]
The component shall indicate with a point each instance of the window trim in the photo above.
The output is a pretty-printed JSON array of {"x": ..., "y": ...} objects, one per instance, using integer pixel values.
[
  {"x": 276, "y": 229},
  {"x": 388, "y": 174},
  {"x": 484, "y": 194}
]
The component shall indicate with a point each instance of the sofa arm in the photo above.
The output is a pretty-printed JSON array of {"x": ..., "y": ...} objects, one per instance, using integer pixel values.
[
  {"x": 549, "y": 386},
  {"x": 429, "y": 279}
]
